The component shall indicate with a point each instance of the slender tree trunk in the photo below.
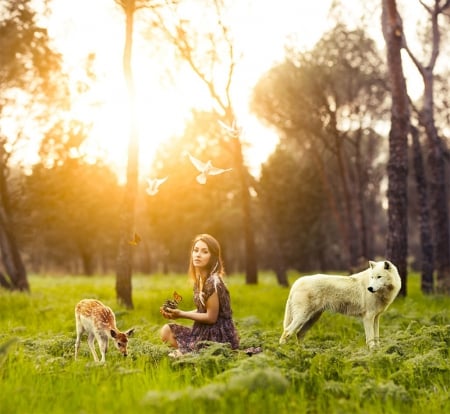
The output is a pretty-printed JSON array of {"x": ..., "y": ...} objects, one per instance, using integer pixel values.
[
  {"x": 251, "y": 268},
  {"x": 426, "y": 244},
  {"x": 360, "y": 210},
  {"x": 397, "y": 241},
  {"x": 11, "y": 258},
  {"x": 438, "y": 194},
  {"x": 127, "y": 216},
  {"x": 349, "y": 219},
  {"x": 332, "y": 202},
  {"x": 354, "y": 245},
  {"x": 279, "y": 264},
  {"x": 438, "y": 190},
  {"x": 12, "y": 261}
]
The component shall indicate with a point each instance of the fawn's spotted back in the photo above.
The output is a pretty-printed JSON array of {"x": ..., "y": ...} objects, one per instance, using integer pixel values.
[
  {"x": 99, "y": 322},
  {"x": 102, "y": 316}
]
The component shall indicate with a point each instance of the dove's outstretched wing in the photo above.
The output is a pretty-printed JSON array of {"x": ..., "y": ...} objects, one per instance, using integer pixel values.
[
  {"x": 199, "y": 165},
  {"x": 217, "y": 171},
  {"x": 153, "y": 185},
  {"x": 232, "y": 130},
  {"x": 205, "y": 168}
]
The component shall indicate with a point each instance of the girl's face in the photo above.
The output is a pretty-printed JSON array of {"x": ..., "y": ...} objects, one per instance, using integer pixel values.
[{"x": 200, "y": 255}]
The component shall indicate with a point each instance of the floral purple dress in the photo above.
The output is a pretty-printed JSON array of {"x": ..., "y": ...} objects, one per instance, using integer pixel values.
[{"x": 223, "y": 331}]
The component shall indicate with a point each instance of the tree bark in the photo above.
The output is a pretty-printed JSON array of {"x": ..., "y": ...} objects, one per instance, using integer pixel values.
[
  {"x": 11, "y": 258},
  {"x": 251, "y": 269},
  {"x": 397, "y": 241},
  {"x": 359, "y": 200},
  {"x": 438, "y": 190},
  {"x": 439, "y": 204},
  {"x": 127, "y": 217},
  {"x": 426, "y": 244}
]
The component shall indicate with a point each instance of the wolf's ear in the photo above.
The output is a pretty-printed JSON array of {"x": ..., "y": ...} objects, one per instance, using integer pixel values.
[
  {"x": 387, "y": 265},
  {"x": 372, "y": 264}
]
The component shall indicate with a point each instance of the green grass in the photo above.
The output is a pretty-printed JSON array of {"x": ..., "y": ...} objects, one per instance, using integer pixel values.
[{"x": 330, "y": 372}]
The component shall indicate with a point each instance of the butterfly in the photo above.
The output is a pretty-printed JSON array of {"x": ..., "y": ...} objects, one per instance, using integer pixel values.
[
  {"x": 136, "y": 240},
  {"x": 173, "y": 304},
  {"x": 205, "y": 168},
  {"x": 153, "y": 185}
]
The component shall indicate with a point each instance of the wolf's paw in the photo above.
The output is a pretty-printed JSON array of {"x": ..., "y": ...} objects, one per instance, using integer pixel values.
[{"x": 283, "y": 338}]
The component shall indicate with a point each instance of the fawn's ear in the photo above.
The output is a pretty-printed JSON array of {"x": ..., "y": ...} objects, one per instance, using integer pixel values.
[
  {"x": 113, "y": 333},
  {"x": 129, "y": 332}
]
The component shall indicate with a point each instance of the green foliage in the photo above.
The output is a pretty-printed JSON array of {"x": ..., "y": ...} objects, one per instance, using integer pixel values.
[
  {"x": 26, "y": 59},
  {"x": 331, "y": 371},
  {"x": 292, "y": 200},
  {"x": 325, "y": 103},
  {"x": 74, "y": 206}
]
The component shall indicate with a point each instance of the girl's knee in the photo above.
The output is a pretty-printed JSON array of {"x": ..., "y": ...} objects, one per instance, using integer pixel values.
[{"x": 166, "y": 334}]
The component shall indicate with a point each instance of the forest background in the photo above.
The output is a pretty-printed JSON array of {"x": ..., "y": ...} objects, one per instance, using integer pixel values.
[{"x": 323, "y": 200}]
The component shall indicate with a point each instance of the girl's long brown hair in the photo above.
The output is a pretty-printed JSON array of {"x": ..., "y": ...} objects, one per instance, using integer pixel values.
[{"x": 215, "y": 264}]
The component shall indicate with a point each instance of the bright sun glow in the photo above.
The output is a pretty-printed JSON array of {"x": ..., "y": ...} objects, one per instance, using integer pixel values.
[{"x": 97, "y": 26}]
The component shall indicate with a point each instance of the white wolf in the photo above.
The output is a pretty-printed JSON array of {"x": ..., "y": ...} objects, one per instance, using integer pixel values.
[{"x": 366, "y": 294}]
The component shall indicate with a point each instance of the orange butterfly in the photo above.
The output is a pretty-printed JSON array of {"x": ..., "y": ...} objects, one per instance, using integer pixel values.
[
  {"x": 177, "y": 297},
  {"x": 173, "y": 304},
  {"x": 136, "y": 240}
]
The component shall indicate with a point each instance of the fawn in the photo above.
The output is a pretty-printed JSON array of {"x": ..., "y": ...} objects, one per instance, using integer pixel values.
[{"x": 99, "y": 322}]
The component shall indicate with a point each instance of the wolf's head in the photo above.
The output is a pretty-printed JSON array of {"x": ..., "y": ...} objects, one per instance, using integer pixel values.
[{"x": 384, "y": 276}]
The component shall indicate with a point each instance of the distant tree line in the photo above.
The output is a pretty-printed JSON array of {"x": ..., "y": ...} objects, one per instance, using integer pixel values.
[{"x": 320, "y": 203}]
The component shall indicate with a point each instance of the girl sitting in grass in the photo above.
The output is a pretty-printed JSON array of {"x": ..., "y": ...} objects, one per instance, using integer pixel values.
[{"x": 213, "y": 316}]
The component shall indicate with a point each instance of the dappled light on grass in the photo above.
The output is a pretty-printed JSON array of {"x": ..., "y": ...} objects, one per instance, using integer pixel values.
[{"x": 330, "y": 371}]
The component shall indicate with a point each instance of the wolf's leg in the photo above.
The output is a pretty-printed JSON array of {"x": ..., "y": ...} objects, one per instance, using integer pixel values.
[
  {"x": 295, "y": 325},
  {"x": 376, "y": 325},
  {"x": 308, "y": 324},
  {"x": 287, "y": 314},
  {"x": 369, "y": 329}
]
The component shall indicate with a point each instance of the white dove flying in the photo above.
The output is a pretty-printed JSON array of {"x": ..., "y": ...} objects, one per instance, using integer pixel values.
[
  {"x": 153, "y": 185},
  {"x": 233, "y": 130},
  {"x": 205, "y": 168}
]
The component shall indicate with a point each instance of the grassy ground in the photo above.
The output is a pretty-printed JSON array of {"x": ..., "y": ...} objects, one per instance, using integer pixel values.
[{"x": 330, "y": 372}]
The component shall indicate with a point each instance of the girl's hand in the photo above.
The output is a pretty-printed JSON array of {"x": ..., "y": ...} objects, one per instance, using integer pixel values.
[
  {"x": 163, "y": 312},
  {"x": 170, "y": 313}
]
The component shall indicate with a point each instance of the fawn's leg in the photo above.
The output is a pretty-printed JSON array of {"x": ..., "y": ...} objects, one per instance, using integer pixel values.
[
  {"x": 91, "y": 344},
  {"x": 102, "y": 340},
  {"x": 78, "y": 340}
]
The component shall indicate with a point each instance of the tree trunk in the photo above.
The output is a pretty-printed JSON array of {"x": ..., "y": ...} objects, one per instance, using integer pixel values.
[
  {"x": 279, "y": 264},
  {"x": 426, "y": 244},
  {"x": 359, "y": 200},
  {"x": 251, "y": 268},
  {"x": 438, "y": 190},
  {"x": 87, "y": 261},
  {"x": 438, "y": 206},
  {"x": 12, "y": 261},
  {"x": 127, "y": 217},
  {"x": 353, "y": 239},
  {"x": 397, "y": 240},
  {"x": 11, "y": 258},
  {"x": 438, "y": 194}
]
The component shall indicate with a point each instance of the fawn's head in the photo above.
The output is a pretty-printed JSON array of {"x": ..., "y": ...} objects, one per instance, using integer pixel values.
[{"x": 121, "y": 340}]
